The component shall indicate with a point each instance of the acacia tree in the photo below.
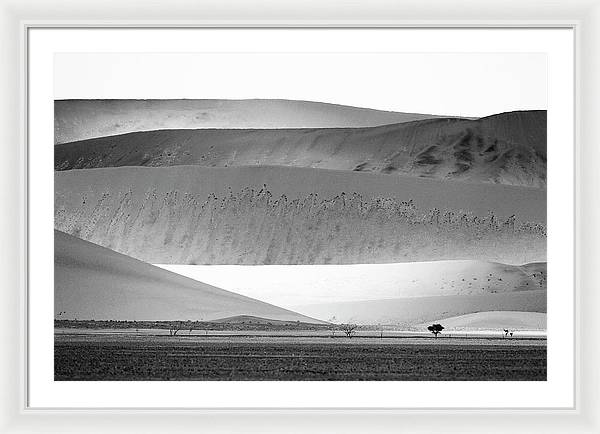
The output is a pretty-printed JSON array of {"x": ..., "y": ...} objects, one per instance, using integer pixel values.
[
  {"x": 349, "y": 329},
  {"x": 435, "y": 329}
]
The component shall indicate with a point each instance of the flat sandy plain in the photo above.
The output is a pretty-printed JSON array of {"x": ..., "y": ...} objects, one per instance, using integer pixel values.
[{"x": 119, "y": 355}]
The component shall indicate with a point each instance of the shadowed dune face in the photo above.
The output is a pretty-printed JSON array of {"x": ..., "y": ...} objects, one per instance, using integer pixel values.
[
  {"x": 172, "y": 215},
  {"x": 508, "y": 148},
  {"x": 92, "y": 282},
  {"x": 85, "y": 119}
]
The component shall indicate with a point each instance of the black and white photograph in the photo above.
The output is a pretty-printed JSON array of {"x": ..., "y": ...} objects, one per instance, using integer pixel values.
[{"x": 302, "y": 217}]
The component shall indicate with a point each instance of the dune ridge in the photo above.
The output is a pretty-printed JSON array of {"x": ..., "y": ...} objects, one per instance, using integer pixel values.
[
  {"x": 83, "y": 119},
  {"x": 508, "y": 148}
]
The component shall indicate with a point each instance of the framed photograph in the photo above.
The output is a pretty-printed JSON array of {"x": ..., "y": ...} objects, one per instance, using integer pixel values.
[{"x": 300, "y": 222}]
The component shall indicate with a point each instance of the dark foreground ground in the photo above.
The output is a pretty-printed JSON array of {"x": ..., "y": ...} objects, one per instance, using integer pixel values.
[{"x": 157, "y": 357}]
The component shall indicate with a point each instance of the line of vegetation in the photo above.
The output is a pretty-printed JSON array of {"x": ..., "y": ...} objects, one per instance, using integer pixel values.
[
  {"x": 182, "y": 327},
  {"x": 253, "y": 227}
]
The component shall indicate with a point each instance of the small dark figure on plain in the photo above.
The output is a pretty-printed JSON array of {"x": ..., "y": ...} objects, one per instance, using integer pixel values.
[
  {"x": 506, "y": 332},
  {"x": 436, "y": 329}
]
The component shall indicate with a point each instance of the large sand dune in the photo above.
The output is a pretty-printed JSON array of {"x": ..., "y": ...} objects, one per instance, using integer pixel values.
[
  {"x": 508, "y": 148},
  {"x": 84, "y": 119},
  {"x": 189, "y": 215},
  {"x": 412, "y": 311},
  {"x": 291, "y": 285},
  {"x": 92, "y": 282}
]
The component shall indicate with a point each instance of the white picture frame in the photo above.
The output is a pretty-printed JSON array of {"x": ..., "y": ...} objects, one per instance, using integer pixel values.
[{"x": 18, "y": 18}]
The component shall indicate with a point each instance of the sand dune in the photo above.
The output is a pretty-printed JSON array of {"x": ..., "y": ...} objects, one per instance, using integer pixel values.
[
  {"x": 495, "y": 320},
  {"x": 538, "y": 272},
  {"x": 413, "y": 311},
  {"x": 527, "y": 204},
  {"x": 509, "y": 148},
  {"x": 188, "y": 215},
  {"x": 92, "y": 282},
  {"x": 291, "y": 285},
  {"x": 84, "y": 119}
]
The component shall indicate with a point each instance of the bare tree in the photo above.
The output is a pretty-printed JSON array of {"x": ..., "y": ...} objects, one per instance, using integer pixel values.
[
  {"x": 349, "y": 329},
  {"x": 435, "y": 329},
  {"x": 174, "y": 327}
]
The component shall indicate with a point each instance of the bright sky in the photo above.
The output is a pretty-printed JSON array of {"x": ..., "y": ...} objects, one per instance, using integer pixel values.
[{"x": 462, "y": 84}]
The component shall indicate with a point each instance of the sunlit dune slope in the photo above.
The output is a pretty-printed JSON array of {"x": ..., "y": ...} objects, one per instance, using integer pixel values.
[
  {"x": 84, "y": 119},
  {"x": 92, "y": 282},
  {"x": 495, "y": 320},
  {"x": 287, "y": 286}
]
